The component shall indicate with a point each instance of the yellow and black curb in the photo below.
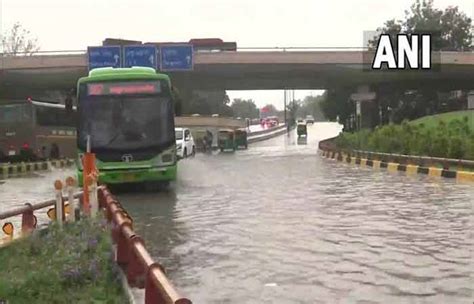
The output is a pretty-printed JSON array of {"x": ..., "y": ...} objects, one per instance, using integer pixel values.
[
  {"x": 465, "y": 176},
  {"x": 18, "y": 169}
]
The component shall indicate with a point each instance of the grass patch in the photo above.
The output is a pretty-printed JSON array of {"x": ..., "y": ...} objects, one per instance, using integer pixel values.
[
  {"x": 448, "y": 135},
  {"x": 70, "y": 265},
  {"x": 433, "y": 120}
]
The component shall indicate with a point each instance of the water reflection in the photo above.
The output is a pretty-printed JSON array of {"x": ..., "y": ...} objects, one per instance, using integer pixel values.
[
  {"x": 302, "y": 140},
  {"x": 278, "y": 224},
  {"x": 157, "y": 221}
]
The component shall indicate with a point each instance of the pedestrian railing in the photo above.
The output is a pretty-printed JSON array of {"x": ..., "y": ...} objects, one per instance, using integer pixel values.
[
  {"x": 131, "y": 254},
  {"x": 140, "y": 268},
  {"x": 64, "y": 208}
]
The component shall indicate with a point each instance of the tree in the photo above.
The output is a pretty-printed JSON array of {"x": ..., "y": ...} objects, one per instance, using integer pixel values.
[
  {"x": 450, "y": 29},
  {"x": 177, "y": 101},
  {"x": 337, "y": 103},
  {"x": 458, "y": 37},
  {"x": 18, "y": 40},
  {"x": 244, "y": 108},
  {"x": 207, "y": 103},
  {"x": 311, "y": 105}
]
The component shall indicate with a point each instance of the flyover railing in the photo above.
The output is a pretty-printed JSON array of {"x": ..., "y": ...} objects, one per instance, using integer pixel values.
[
  {"x": 44, "y": 53},
  {"x": 262, "y": 48},
  {"x": 239, "y": 49}
]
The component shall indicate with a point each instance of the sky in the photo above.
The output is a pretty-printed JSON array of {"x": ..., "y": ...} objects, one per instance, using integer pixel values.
[{"x": 74, "y": 25}]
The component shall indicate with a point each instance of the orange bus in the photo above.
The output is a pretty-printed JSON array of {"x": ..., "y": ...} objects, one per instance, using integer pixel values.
[{"x": 31, "y": 130}]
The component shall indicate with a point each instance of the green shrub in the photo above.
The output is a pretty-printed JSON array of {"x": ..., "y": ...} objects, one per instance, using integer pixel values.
[
  {"x": 71, "y": 264},
  {"x": 456, "y": 147},
  {"x": 453, "y": 140}
]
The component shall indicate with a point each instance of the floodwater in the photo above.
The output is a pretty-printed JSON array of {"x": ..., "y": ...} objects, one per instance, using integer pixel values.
[
  {"x": 277, "y": 223},
  {"x": 280, "y": 224}
]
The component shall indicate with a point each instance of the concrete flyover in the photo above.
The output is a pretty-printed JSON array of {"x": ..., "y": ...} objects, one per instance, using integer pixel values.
[{"x": 246, "y": 70}]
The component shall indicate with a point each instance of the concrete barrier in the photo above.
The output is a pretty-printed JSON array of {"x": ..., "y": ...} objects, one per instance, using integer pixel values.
[
  {"x": 19, "y": 169},
  {"x": 397, "y": 163},
  {"x": 209, "y": 122},
  {"x": 266, "y": 134}
]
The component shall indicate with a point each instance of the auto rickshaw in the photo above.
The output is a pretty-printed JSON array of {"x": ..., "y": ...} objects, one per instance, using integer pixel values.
[
  {"x": 240, "y": 138},
  {"x": 226, "y": 139},
  {"x": 301, "y": 129}
]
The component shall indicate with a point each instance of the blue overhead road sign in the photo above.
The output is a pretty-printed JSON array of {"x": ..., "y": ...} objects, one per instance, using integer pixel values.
[
  {"x": 176, "y": 57},
  {"x": 104, "y": 56},
  {"x": 140, "y": 55}
]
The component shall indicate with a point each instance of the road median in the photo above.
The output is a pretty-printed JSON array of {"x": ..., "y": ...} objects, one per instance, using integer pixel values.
[
  {"x": 8, "y": 170},
  {"x": 459, "y": 169},
  {"x": 266, "y": 134}
]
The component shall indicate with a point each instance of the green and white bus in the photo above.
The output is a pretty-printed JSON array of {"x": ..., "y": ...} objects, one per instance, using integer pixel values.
[{"x": 127, "y": 117}]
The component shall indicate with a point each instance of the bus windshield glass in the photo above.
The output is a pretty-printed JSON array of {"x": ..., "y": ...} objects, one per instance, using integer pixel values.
[
  {"x": 126, "y": 121},
  {"x": 54, "y": 117},
  {"x": 15, "y": 113}
]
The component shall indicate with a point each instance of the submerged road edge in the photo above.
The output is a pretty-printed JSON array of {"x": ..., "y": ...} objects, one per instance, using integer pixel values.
[{"x": 460, "y": 176}]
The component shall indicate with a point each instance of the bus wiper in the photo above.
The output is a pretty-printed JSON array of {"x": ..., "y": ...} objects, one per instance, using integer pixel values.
[{"x": 112, "y": 140}]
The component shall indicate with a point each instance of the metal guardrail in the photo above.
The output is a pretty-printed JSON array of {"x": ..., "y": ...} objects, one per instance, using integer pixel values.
[
  {"x": 140, "y": 268},
  {"x": 131, "y": 254},
  {"x": 28, "y": 209},
  {"x": 329, "y": 145}
]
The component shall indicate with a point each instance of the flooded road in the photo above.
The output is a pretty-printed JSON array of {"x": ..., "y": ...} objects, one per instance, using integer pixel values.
[
  {"x": 279, "y": 224},
  {"x": 34, "y": 188}
]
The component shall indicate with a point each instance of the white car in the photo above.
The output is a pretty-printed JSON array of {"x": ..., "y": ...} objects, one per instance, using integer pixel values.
[{"x": 184, "y": 143}]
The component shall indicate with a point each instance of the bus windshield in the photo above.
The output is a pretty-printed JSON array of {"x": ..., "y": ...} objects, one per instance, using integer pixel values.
[
  {"x": 126, "y": 122},
  {"x": 15, "y": 113},
  {"x": 54, "y": 117}
]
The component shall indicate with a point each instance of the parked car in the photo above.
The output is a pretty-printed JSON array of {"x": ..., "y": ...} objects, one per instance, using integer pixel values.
[{"x": 184, "y": 143}]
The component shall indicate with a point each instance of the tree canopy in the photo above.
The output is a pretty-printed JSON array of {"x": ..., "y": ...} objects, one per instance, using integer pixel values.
[
  {"x": 207, "y": 103},
  {"x": 244, "y": 108},
  {"x": 311, "y": 105},
  {"x": 451, "y": 29},
  {"x": 18, "y": 40}
]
